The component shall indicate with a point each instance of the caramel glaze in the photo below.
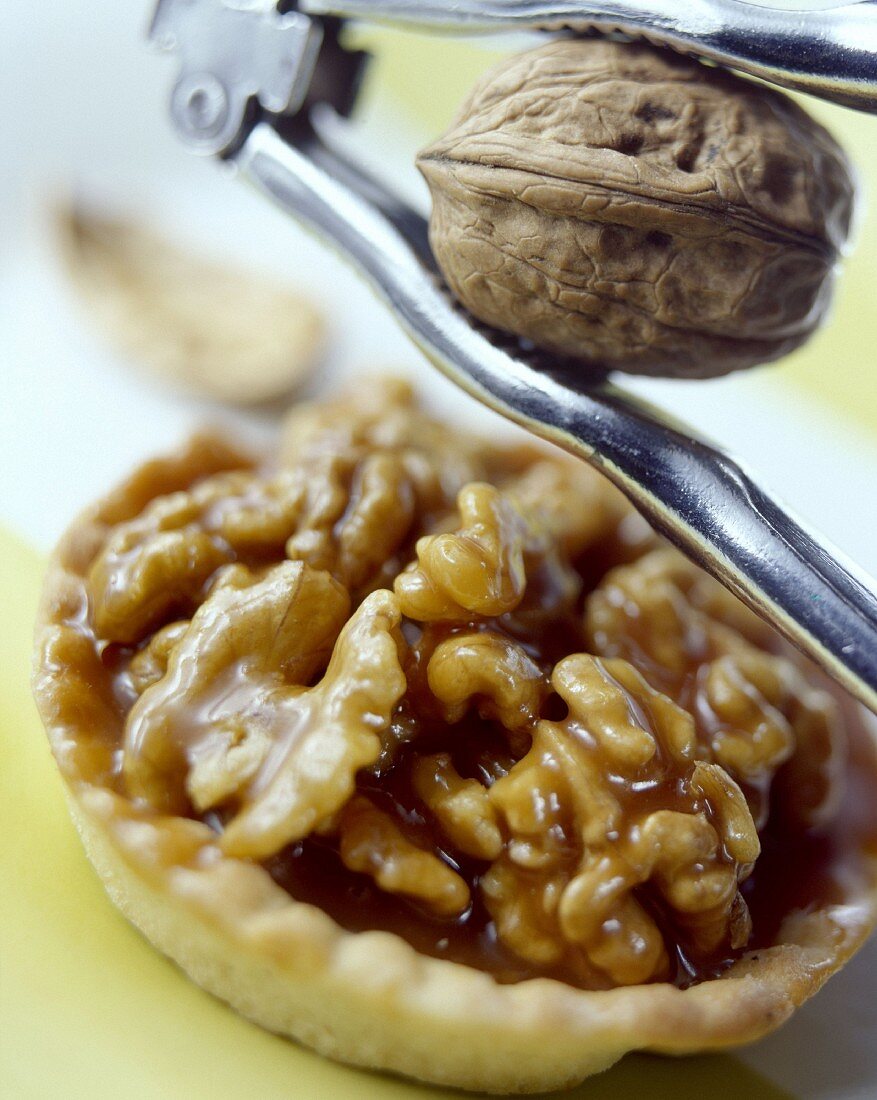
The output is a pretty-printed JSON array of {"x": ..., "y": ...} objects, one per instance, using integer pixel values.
[
  {"x": 801, "y": 871},
  {"x": 312, "y": 871},
  {"x": 797, "y": 871}
]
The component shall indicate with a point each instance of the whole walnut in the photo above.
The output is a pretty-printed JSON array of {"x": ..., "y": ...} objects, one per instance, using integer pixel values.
[{"x": 625, "y": 205}]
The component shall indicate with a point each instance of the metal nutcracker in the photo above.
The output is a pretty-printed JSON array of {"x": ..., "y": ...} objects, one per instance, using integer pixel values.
[{"x": 262, "y": 86}]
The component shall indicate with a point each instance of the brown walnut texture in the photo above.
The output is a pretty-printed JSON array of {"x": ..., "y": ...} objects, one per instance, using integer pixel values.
[{"x": 632, "y": 208}]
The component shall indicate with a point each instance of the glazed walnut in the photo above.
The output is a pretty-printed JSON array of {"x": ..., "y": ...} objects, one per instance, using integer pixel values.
[
  {"x": 625, "y": 205},
  {"x": 755, "y": 710},
  {"x": 506, "y": 560},
  {"x": 234, "y": 716},
  {"x": 372, "y": 844},
  {"x": 358, "y": 484},
  {"x": 581, "y": 842},
  {"x": 453, "y": 688}
]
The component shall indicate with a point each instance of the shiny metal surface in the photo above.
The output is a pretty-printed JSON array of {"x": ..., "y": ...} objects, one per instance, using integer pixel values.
[
  {"x": 232, "y": 55},
  {"x": 827, "y": 50},
  {"x": 697, "y": 496}
]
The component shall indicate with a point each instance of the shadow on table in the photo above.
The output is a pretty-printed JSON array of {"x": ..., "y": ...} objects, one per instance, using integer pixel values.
[
  {"x": 649, "y": 1077},
  {"x": 829, "y": 1048}
]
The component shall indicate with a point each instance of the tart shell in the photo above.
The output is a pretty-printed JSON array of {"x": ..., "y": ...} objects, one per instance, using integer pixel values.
[{"x": 369, "y": 998}]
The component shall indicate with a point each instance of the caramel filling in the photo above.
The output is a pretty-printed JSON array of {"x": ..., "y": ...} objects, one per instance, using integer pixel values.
[{"x": 462, "y": 695}]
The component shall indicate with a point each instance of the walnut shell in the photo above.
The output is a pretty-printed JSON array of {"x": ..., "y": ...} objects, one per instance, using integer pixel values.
[{"x": 635, "y": 208}]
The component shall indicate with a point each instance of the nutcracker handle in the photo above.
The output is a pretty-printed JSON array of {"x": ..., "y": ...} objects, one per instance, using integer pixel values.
[{"x": 827, "y": 49}]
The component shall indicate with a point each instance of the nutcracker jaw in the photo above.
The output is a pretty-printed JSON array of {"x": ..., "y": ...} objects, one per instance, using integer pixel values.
[
  {"x": 241, "y": 61},
  {"x": 826, "y": 48}
]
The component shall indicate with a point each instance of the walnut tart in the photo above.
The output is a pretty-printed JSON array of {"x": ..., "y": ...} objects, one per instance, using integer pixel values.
[{"x": 429, "y": 754}]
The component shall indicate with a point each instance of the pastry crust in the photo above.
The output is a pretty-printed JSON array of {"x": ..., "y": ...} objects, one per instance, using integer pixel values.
[{"x": 369, "y": 998}]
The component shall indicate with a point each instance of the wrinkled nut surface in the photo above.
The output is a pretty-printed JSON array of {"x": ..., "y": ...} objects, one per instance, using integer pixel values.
[
  {"x": 442, "y": 685},
  {"x": 198, "y": 324},
  {"x": 634, "y": 208}
]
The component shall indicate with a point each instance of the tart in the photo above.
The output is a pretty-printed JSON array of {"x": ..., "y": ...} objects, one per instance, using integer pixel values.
[{"x": 429, "y": 754}]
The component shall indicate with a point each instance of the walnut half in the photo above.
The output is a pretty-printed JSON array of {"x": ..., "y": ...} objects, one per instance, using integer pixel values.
[{"x": 628, "y": 206}]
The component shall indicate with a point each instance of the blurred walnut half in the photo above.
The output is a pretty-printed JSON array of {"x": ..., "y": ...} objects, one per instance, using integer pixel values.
[
  {"x": 199, "y": 325},
  {"x": 627, "y": 206}
]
